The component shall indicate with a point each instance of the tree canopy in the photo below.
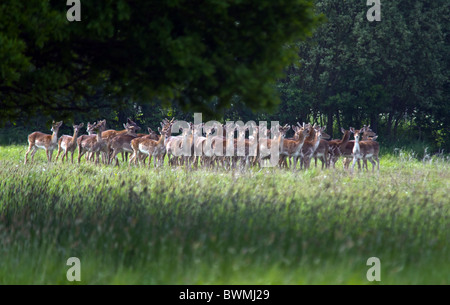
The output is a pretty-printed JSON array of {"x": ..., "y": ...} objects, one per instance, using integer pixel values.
[{"x": 197, "y": 54}]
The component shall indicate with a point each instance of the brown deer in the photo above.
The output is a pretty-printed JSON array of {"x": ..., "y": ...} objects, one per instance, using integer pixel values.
[
  {"x": 95, "y": 144},
  {"x": 109, "y": 134},
  {"x": 122, "y": 142},
  {"x": 311, "y": 144},
  {"x": 68, "y": 143},
  {"x": 44, "y": 141},
  {"x": 337, "y": 147},
  {"x": 364, "y": 149},
  {"x": 347, "y": 151},
  {"x": 292, "y": 148},
  {"x": 135, "y": 145},
  {"x": 137, "y": 155},
  {"x": 322, "y": 150},
  {"x": 152, "y": 148},
  {"x": 81, "y": 139}
]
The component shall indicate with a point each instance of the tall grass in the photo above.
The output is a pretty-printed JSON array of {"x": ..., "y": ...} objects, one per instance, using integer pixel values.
[{"x": 171, "y": 226}]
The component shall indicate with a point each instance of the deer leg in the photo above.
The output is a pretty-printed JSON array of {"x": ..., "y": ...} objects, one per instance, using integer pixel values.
[
  {"x": 62, "y": 158},
  {"x": 30, "y": 147},
  {"x": 57, "y": 156}
]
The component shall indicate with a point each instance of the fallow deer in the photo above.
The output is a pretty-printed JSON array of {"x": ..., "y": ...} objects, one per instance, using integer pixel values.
[
  {"x": 363, "y": 149},
  {"x": 68, "y": 143},
  {"x": 44, "y": 141},
  {"x": 122, "y": 142},
  {"x": 152, "y": 148},
  {"x": 95, "y": 144},
  {"x": 310, "y": 145}
]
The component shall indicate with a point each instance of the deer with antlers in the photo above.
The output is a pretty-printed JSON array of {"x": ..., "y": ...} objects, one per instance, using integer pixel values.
[
  {"x": 68, "y": 143},
  {"x": 44, "y": 141}
]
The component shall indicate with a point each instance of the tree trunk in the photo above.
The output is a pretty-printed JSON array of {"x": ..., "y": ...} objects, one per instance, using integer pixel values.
[
  {"x": 374, "y": 122},
  {"x": 338, "y": 118},
  {"x": 389, "y": 125},
  {"x": 330, "y": 124}
]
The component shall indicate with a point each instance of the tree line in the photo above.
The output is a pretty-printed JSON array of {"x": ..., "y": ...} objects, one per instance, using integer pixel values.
[{"x": 314, "y": 61}]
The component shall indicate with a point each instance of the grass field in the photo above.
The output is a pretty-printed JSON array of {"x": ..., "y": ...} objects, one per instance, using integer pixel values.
[{"x": 169, "y": 226}]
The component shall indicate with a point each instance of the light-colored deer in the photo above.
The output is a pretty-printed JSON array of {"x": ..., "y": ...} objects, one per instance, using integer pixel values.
[
  {"x": 265, "y": 144},
  {"x": 44, "y": 141},
  {"x": 363, "y": 149},
  {"x": 68, "y": 143}
]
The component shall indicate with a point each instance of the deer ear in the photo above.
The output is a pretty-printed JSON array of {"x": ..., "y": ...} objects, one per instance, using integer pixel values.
[
  {"x": 342, "y": 130},
  {"x": 159, "y": 129},
  {"x": 352, "y": 130},
  {"x": 81, "y": 125},
  {"x": 125, "y": 126}
]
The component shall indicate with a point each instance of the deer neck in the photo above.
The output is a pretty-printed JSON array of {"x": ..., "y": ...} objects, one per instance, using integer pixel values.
[
  {"x": 54, "y": 137},
  {"x": 300, "y": 141},
  {"x": 356, "y": 147},
  {"x": 161, "y": 141},
  {"x": 345, "y": 139},
  {"x": 75, "y": 135},
  {"x": 99, "y": 135}
]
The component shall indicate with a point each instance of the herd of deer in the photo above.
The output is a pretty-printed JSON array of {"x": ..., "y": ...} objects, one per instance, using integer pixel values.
[{"x": 192, "y": 148}]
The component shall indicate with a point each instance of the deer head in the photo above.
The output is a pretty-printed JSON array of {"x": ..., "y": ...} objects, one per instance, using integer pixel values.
[{"x": 56, "y": 126}]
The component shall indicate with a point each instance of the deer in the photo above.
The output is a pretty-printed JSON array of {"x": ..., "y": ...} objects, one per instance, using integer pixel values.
[
  {"x": 265, "y": 145},
  {"x": 153, "y": 148},
  {"x": 152, "y": 135},
  {"x": 122, "y": 142},
  {"x": 95, "y": 144},
  {"x": 90, "y": 129},
  {"x": 292, "y": 148},
  {"x": 44, "y": 141},
  {"x": 174, "y": 146},
  {"x": 68, "y": 143},
  {"x": 311, "y": 144},
  {"x": 135, "y": 145},
  {"x": 322, "y": 150},
  {"x": 109, "y": 134},
  {"x": 337, "y": 147},
  {"x": 347, "y": 151},
  {"x": 363, "y": 149}
]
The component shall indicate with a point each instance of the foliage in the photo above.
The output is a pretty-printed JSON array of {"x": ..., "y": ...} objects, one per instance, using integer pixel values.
[{"x": 186, "y": 52}]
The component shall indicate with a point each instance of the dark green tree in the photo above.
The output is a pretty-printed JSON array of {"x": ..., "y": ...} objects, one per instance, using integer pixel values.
[{"x": 189, "y": 53}]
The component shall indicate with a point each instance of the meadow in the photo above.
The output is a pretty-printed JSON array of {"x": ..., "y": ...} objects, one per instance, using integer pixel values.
[{"x": 172, "y": 226}]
